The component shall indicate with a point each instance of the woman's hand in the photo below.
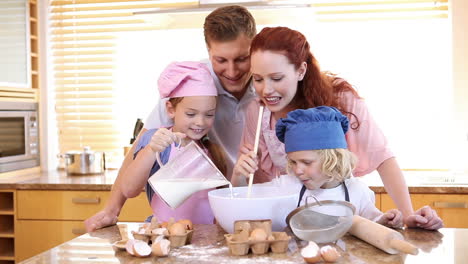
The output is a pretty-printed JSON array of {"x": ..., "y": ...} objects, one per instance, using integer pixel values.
[
  {"x": 392, "y": 218},
  {"x": 163, "y": 138},
  {"x": 425, "y": 218},
  {"x": 246, "y": 164}
]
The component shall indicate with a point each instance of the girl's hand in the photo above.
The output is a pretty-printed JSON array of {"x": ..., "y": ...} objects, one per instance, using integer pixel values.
[
  {"x": 392, "y": 218},
  {"x": 425, "y": 218},
  {"x": 163, "y": 138},
  {"x": 245, "y": 165}
]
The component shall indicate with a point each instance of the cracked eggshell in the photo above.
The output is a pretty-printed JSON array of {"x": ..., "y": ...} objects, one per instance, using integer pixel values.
[
  {"x": 329, "y": 253},
  {"x": 161, "y": 248},
  {"x": 160, "y": 231},
  {"x": 141, "y": 249},
  {"x": 129, "y": 247},
  {"x": 311, "y": 253}
]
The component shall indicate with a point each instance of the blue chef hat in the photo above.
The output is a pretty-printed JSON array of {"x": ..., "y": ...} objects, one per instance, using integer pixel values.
[{"x": 322, "y": 127}]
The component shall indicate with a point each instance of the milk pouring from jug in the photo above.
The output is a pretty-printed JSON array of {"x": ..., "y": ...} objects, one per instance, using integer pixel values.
[{"x": 189, "y": 172}]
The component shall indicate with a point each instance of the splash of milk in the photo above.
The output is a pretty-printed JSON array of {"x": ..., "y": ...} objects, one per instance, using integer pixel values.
[{"x": 230, "y": 189}]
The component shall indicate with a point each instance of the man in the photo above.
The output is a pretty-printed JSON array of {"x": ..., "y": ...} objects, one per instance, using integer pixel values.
[{"x": 228, "y": 33}]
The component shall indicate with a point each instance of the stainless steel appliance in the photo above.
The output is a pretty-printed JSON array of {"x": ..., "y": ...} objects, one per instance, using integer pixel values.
[{"x": 19, "y": 136}]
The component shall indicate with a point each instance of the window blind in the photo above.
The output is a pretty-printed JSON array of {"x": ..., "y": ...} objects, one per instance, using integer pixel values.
[
  {"x": 351, "y": 10},
  {"x": 83, "y": 35}
]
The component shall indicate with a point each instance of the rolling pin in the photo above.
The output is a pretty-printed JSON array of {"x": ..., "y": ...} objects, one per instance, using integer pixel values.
[{"x": 381, "y": 236}]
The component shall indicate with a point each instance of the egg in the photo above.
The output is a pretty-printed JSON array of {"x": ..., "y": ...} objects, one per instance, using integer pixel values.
[
  {"x": 187, "y": 223},
  {"x": 329, "y": 254},
  {"x": 258, "y": 234},
  {"x": 161, "y": 248},
  {"x": 311, "y": 253},
  {"x": 177, "y": 229}
]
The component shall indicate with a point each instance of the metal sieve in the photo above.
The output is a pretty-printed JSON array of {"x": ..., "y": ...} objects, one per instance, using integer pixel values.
[{"x": 322, "y": 221}]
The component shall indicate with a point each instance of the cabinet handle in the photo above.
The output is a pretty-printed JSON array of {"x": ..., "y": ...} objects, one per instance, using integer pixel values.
[
  {"x": 450, "y": 205},
  {"x": 78, "y": 231},
  {"x": 78, "y": 200}
]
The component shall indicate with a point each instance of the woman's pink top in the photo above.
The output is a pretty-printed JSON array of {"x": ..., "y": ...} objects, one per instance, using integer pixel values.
[
  {"x": 196, "y": 207},
  {"x": 367, "y": 142}
]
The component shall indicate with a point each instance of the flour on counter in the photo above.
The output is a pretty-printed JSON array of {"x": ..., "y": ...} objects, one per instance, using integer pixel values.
[{"x": 212, "y": 254}]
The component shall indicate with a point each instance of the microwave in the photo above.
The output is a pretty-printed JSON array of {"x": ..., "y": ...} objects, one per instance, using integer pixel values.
[{"x": 19, "y": 136}]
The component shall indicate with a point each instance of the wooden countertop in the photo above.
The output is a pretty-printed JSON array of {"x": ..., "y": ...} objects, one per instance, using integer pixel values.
[
  {"x": 58, "y": 180},
  {"x": 208, "y": 246}
]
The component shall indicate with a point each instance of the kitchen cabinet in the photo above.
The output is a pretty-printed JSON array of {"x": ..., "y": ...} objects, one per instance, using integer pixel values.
[
  {"x": 7, "y": 226},
  {"x": 26, "y": 89},
  {"x": 47, "y": 218},
  {"x": 378, "y": 201},
  {"x": 34, "y": 43},
  {"x": 452, "y": 208},
  {"x": 36, "y": 236}
]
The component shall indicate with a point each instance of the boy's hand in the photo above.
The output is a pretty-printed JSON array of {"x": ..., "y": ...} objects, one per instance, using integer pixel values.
[
  {"x": 163, "y": 138},
  {"x": 425, "y": 218},
  {"x": 392, "y": 218}
]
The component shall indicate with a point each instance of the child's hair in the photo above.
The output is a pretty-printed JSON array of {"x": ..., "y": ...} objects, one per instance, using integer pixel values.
[
  {"x": 338, "y": 164},
  {"x": 216, "y": 153},
  {"x": 227, "y": 23}
]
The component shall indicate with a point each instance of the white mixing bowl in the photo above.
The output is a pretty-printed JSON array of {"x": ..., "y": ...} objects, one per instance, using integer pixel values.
[{"x": 266, "y": 202}]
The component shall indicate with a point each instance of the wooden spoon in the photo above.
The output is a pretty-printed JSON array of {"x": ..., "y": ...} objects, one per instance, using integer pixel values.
[{"x": 257, "y": 138}]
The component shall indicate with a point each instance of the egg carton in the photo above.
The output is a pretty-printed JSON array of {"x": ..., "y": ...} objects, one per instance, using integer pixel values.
[
  {"x": 176, "y": 240},
  {"x": 240, "y": 242}
]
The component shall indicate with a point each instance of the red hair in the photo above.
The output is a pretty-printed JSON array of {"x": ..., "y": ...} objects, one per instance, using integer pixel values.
[{"x": 316, "y": 88}]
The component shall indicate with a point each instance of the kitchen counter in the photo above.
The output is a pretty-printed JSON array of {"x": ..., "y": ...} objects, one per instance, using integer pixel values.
[
  {"x": 58, "y": 180},
  {"x": 208, "y": 246}
]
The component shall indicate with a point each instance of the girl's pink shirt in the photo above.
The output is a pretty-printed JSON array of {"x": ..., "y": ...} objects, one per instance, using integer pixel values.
[{"x": 367, "y": 142}]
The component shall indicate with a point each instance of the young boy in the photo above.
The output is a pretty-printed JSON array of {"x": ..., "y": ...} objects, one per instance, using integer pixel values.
[{"x": 320, "y": 164}]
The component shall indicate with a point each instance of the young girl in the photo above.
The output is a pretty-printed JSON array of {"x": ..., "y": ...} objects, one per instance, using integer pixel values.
[
  {"x": 320, "y": 164},
  {"x": 287, "y": 76},
  {"x": 191, "y": 104}
]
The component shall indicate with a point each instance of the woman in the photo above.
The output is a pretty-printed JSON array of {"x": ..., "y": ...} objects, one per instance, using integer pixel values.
[{"x": 286, "y": 77}]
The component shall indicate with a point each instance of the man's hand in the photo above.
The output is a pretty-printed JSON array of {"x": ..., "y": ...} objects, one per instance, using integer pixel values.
[{"x": 99, "y": 220}]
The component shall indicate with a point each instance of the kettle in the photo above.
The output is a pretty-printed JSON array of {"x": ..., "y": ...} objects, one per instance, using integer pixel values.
[{"x": 84, "y": 162}]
